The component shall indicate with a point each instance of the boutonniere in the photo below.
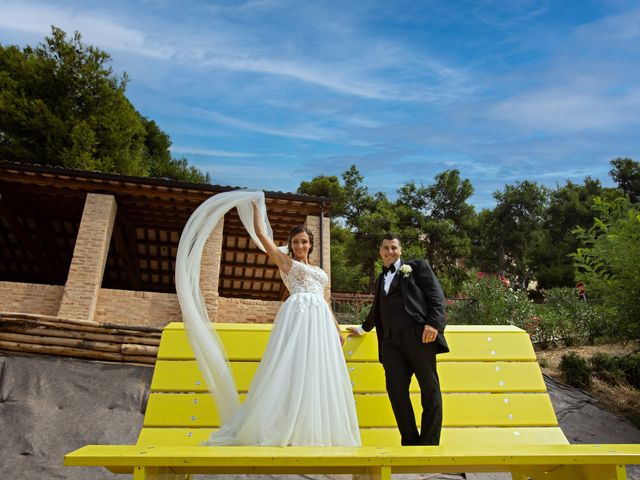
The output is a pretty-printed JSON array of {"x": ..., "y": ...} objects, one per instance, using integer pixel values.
[{"x": 405, "y": 270}]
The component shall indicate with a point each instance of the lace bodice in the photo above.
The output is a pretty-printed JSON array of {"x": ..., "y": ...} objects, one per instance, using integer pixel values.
[{"x": 303, "y": 278}]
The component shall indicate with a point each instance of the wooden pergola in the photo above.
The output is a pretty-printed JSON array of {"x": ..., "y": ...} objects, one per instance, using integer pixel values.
[{"x": 41, "y": 208}]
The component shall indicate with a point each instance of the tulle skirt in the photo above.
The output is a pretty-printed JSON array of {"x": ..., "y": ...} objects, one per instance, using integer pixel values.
[{"x": 301, "y": 393}]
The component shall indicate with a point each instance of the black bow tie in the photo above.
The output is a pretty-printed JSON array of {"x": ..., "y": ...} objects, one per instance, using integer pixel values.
[{"x": 391, "y": 268}]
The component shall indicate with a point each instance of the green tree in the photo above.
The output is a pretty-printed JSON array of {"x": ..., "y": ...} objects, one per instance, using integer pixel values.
[
  {"x": 347, "y": 275},
  {"x": 368, "y": 217},
  {"x": 609, "y": 264},
  {"x": 61, "y": 104},
  {"x": 159, "y": 160},
  {"x": 379, "y": 218},
  {"x": 626, "y": 173},
  {"x": 326, "y": 186},
  {"x": 570, "y": 206},
  {"x": 507, "y": 235},
  {"x": 483, "y": 231},
  {"x": 438, "y": 218}
]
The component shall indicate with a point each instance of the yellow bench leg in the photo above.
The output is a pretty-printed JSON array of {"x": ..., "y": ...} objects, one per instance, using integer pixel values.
[
  {"x": 374, "y": 473},
  {"x": 572, "y": 472},
  {"x": 155, "y": 473}
]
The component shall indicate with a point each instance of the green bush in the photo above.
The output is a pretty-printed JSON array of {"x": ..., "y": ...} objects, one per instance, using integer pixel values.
[
  {"x": 488, "y": 301},
  {"x": 630, "y": 365},
  {"x": 541, "y": 329},
  {"x": 617, "y": 370},
  {"x": 350, "y": 313},
  {"x": 575, "y": 370},
  {"x": 607, "y": 367},
  {"x": 567, "y": 319}
]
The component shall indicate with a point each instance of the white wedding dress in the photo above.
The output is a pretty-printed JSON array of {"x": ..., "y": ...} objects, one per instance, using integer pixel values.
[{"x": 301, "y": 392}]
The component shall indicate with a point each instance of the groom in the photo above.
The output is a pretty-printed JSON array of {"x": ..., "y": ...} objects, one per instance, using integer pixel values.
[{"x": 408, "y": 312}]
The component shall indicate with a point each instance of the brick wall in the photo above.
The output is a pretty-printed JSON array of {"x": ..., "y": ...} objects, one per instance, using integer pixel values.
[
  {"x": 243, "y": 310},
  {"x": 30, "y": 298},
  {"x": 137, "y": 308},
  {"x": 130, "y": 308}
]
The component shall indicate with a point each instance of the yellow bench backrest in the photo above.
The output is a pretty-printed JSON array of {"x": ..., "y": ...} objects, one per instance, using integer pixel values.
[{"x": 493, "y": 390}]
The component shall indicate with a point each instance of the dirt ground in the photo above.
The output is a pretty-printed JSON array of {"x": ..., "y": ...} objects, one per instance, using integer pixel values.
[{"x": 619, "y": 399}]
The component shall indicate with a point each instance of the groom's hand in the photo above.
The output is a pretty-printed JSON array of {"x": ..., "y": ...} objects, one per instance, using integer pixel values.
[
  {"x": 355, "y": 331},
  {"x": 429, "y": 334}
]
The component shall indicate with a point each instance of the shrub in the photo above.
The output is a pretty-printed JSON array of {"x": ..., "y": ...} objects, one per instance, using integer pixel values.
[
  {"x": 617, "y": 369},
  {"x": 607, "y": 367},
  {"x": 630, "y": 365},
  {"x": 569, "y": 319},
  {"x": 350, "y": 313},
  {"x": 540, "y": 328},
  {"x": 491, "y": 302},
  {"x": 575, "y": 370}
]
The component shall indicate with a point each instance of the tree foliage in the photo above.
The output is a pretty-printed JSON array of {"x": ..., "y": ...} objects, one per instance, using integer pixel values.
[
  {"x": 626, "y": 173},
  {"x": 506, "y": 236},
  {"x": 569, "y": 207},
  {"x": 61, "y": 104},
  {"x": 609, "y": 264},
  {"x": 437, "y": 218}
]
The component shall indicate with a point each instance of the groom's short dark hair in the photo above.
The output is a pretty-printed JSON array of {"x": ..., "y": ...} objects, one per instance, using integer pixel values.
[{"x": 390, "y": 236}]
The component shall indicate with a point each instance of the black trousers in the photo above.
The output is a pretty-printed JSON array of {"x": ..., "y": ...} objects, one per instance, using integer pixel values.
[{"x": 404, "y": 355}]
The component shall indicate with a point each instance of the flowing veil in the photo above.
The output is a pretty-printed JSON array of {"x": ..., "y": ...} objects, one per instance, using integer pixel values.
[{"x": 206, "y": 344}]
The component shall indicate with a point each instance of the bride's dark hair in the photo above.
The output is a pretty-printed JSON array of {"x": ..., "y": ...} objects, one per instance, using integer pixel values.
[{"x": 295, "y": 231}]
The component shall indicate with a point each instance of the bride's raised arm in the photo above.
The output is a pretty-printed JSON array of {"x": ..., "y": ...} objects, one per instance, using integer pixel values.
[{"x": 282, "y": 260}]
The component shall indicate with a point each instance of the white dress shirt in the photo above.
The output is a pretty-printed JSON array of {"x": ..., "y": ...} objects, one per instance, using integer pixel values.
[{"x": 388, "y": 278}]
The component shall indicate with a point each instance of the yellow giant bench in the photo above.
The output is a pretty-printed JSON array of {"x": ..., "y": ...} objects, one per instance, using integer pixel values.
[{"x": 497, "y": 417}]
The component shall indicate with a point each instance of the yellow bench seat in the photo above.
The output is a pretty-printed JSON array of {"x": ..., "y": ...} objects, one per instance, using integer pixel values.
[
  {"x": 551, "y": 462},
  {"x": 498, "y": 417}
]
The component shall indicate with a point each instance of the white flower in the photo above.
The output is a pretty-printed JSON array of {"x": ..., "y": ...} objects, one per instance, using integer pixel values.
[{"x": 405, "y": 270}]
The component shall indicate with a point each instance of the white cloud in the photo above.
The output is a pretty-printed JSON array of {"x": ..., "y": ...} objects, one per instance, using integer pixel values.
[
  {"x": 260, "y": 176},
  {"x": 351, "y": 64},
  {"x": 615, "y": 29},
  {"x": 210, "y": 152},
  {"x": 304, "y": 132},
  {"x": 96, "y": 27},
  {"x": 564, "y": 109}
]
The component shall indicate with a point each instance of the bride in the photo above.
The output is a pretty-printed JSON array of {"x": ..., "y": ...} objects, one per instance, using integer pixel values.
[{"x": 301, "y": 393}]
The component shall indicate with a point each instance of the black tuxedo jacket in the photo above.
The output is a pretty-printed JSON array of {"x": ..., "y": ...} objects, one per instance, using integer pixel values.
[{"x": 422, "y": 297}]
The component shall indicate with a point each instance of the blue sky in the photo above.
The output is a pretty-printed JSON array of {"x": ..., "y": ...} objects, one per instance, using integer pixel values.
[{"x": 268, "y": 93}]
